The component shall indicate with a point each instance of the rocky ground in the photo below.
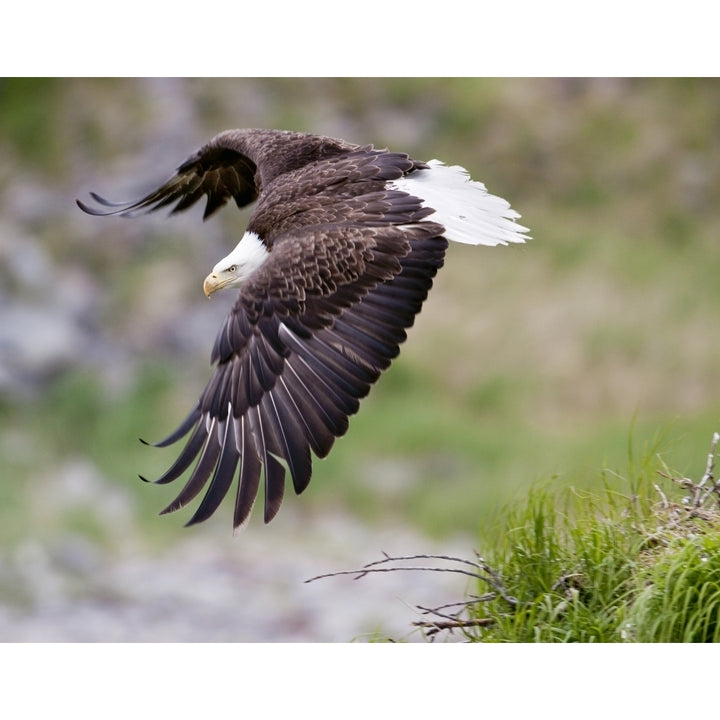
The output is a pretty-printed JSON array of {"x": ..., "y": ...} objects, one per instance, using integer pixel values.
[{"x": 212, "y": 587}]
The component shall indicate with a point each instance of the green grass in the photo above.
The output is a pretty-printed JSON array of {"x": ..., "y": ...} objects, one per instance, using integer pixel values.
[
  {"x": 568, "y": 566},
  {"x": 681, "y": 602},
  {"x": 625, "y": 562}
]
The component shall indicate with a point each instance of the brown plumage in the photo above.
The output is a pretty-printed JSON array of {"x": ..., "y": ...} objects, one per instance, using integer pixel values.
[{"x": 350, "y": 259}]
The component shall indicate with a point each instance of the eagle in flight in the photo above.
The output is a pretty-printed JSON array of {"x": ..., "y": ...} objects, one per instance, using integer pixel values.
[{"x": 338, "y": 257}]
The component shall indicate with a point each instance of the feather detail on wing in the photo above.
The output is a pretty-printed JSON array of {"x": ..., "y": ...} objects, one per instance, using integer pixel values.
[{"x": 286, "y": 386}]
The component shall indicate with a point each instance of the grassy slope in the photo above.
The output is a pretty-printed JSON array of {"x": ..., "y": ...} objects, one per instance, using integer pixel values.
[{"x": 634, "y": 562}]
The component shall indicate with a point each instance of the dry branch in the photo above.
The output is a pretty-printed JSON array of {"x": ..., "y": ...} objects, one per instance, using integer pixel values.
[
  {"x": 445, "y": 621},
  {"x": 698, "y": 492},
  {"x": 432, "y": 627},
  {"x": 483, "y": 571}
]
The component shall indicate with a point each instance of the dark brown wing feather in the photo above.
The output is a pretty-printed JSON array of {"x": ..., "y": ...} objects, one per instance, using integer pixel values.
[{"x": 217, "y": 173}]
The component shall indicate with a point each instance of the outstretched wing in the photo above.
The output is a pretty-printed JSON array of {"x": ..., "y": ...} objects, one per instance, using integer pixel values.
[
  {"x": 236, "y": 164},
  {"x": 219, "y": 173},
  {"x": 310, "y": 333}
]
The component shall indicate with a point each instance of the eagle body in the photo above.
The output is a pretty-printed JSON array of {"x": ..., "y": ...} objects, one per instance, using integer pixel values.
[{"x": 338, "y": 257}]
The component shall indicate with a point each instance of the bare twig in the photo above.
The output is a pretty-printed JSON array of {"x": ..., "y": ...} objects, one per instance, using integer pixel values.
[
  {"x": 709, "y": 476},
  {"x": 483, "y": 570},
  {"x": 710, "y": 467},
  {"x": 698, "y": 493},
  {"x": 462, "y": 604},
  {"x": 434, "y": 627},
  {"x": 448, "y": 618},
  {"x": 367, "y": 569},
  {"x": 665, "y": 502},
  {"x": 454, "y": 620}
]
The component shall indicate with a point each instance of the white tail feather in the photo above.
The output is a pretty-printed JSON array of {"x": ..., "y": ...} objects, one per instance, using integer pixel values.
[{"x": 468, "y": 211}]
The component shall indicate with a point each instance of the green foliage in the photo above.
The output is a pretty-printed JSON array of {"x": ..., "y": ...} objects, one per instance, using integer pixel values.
[
  {"x": 681, "y": 602},
  {"x": 632, "y": 563},
  {"x": 568, "y": 568}
]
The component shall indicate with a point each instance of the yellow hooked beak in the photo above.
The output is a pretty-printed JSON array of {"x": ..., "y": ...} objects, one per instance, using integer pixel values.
[
  {"x": 219, "y": 279},
  {"x": 213, "y": 283}
]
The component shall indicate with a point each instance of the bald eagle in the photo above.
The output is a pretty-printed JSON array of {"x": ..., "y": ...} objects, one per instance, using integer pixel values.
[{"x": 337, "y": 259}]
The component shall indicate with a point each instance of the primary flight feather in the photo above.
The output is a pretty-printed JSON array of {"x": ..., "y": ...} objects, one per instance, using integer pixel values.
[{"x": 338, "y": 257}]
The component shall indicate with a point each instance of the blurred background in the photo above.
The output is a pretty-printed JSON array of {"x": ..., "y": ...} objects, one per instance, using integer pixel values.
[{"x": 548, "y": 362}]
